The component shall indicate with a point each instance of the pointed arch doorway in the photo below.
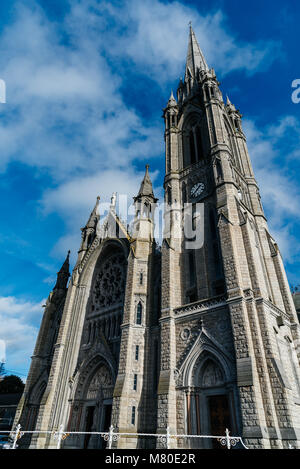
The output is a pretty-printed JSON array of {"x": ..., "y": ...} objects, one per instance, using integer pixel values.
[
  {"x": 91, "y": 407},
  {"x": 210, "y": 402},
  {"x": 98, "y": 405}
]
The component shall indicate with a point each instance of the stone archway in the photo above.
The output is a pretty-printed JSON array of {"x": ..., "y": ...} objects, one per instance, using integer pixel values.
[
  {"x": 98, "y": 405},
  {"x": 210, "y": 405},
  {"x": 92, "y": 404}
]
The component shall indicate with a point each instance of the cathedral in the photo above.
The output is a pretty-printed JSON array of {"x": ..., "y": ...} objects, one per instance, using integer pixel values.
[{"x": 194, "y": 336}]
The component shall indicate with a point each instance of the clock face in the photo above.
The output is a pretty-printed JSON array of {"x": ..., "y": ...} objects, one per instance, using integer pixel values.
[{"x": 197, "y": 189}]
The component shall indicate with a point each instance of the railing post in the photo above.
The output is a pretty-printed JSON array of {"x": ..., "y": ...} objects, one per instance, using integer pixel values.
[
  {"x": 168, "y": 437},
  {"x": 228, "y": 439},
  {"x": 59, "y": 436},
  {"x": 110, "y": 437},
  {"x": 16, "y": 436}
]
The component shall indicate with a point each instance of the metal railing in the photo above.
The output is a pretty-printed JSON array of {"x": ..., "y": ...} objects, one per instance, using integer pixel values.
[{"x": 163, "y": 439}]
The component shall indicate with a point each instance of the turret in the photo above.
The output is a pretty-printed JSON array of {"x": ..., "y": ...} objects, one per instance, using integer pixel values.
[
  {"x": 145, "y": 203},
  {"x": 170, "y": 113},
  {"x": 89, "y": 231},
  {"x": 63, "y": 275}
]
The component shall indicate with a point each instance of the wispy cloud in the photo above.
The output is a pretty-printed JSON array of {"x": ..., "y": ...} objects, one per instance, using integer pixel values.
[
  {"x": 74, "y": 200},
  {"x": 65, "y": 110},
  {"x": 271, "y": 148},
  {"x": 19, "y": 320},
  {"x": 154, "y": 38}
]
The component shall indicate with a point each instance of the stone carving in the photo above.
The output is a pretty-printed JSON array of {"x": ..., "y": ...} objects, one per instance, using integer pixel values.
[
  {"x": 178, "y": 377},
  {"x": 101, "y": 379},
  {"x": 212, "y": 375},
  {"x": 109, "y": 284},
  {"x": 185, "y": 334}
]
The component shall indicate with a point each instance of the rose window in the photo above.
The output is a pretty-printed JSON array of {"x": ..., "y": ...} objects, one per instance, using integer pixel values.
[{"x": 109, "y": 284}]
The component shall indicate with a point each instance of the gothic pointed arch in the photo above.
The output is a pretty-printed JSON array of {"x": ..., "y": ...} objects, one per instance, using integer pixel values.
[
  {"x": 208, "y": 379},
  {"x": 192, "y": 139},
  {"x": 96, "y": 374},
  {"x": 208, "y": 371},
  {"x": 205, "y": 345},
  {"x": 32, "y": 406},
  {"x": 90, "y": 407}
]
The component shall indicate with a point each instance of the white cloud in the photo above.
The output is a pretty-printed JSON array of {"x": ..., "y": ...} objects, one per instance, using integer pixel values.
[
  {"x": 65, "y": 110},
  {"x": 19, "y": 321},
  {"x": 75, "y": 199},
  {"x": 270, "y": 149},
  {"x": 156, "y": 39}
]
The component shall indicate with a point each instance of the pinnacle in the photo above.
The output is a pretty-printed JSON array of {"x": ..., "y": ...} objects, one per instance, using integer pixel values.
[
  {"x": 172, "y": 101},
  {"x": 66, "y": 265},
  {"x": 146, "y": 188},
  {"x": 94, "y": 215}
]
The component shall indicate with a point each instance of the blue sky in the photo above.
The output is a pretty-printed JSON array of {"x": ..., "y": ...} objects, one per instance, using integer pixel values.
[{"x": 86, "y": 84}]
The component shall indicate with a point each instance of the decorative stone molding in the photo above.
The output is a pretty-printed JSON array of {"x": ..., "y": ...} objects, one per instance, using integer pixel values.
[{"x": 201, "y": 305}]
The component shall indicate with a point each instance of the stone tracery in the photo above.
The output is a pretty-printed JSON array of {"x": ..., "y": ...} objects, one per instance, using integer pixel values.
[{"x": 109, "y": 283}]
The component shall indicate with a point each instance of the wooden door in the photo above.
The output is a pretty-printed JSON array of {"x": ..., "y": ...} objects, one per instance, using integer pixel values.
[
  {"x": 219, "y": 417},
  {"x": 88, "y": 424}
]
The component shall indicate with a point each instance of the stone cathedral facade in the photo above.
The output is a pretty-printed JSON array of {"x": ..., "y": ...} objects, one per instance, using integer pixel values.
[{"x": 197, "y": 339}]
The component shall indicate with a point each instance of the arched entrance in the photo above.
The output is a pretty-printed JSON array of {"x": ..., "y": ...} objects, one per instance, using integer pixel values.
[
  {"x": 92, "y": 404},
  {"x": 210, "y": 402},
  {"x": 97, "y": 406}
]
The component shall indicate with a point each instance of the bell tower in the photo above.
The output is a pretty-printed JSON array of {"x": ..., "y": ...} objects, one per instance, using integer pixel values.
[{"x": 221, "y": 270}]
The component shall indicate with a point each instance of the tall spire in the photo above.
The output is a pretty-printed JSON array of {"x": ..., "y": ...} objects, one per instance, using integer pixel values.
[{"x": 195, "y": 59}]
